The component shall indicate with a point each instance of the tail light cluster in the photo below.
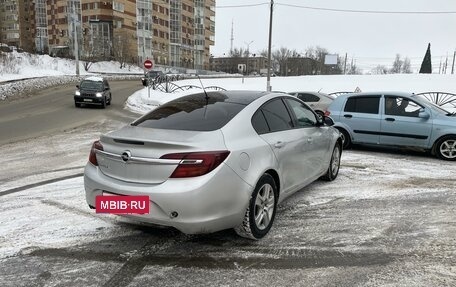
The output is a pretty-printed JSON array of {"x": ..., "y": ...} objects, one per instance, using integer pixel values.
[
  {"x": 196, "y": 163},
  {"x": 93, "y": 155}
]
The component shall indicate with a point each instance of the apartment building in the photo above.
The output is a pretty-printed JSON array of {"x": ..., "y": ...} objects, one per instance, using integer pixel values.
[
  {"x": 16, "y": 24},
  {"x": 175, "y": 33}
]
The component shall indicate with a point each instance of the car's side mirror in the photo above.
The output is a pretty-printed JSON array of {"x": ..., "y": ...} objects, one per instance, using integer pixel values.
[
  {"x": 424, "y": 114},
  {"x": 328, "y": 121},
  {"x": 325, "y": 120},
  {"x": 77, "y": 86}
]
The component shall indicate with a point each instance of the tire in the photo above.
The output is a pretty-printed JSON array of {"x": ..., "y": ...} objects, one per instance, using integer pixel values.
[
  {"x": 110, "y": 100},
  {"x": 445, "y": 148},
  {"x": 346, "y": 140},
  {"x": 103, "y": 104},
  {"x": 77, "y": 105},
  {"x": 262, "y": 209},
  {"x": 334, "y": 164}
]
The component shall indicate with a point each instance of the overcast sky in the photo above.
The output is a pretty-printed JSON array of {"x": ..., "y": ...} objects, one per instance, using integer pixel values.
[{"x": 370, "y": 39}]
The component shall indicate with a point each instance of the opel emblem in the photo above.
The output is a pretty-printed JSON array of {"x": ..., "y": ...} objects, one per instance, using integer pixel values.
[{"x": 126, "y": 156}]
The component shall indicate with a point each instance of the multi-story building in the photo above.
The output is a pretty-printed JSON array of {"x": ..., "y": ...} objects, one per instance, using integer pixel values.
[
  {"x": 170, "y": 32},
  {"x": 16, "y": 24},
  {"x": 256, "y": 64}
]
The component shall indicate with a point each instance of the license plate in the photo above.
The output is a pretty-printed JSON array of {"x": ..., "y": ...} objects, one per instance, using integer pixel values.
[
  {"x": 87, "y": 100},
  {"x": 122, "y": 204}
]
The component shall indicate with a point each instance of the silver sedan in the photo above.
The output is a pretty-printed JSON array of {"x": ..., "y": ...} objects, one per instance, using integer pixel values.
[{"x": 216, "y": 160}]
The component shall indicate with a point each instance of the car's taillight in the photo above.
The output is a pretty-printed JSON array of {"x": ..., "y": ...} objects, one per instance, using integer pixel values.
[
  {"x": 196, "y": 163},
  {"x": 93, "y": 155},
  {"x": 327, "y": 113}
]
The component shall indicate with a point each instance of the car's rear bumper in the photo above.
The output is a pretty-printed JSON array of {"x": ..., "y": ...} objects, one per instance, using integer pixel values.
[{"x": 204, "y": 204}]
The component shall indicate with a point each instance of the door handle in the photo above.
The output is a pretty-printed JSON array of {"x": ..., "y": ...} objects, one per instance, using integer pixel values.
[
  {"x": 279, "y": 144},
  {"x": 348, "y": 116},
  {"x": 390, "y": 119}
]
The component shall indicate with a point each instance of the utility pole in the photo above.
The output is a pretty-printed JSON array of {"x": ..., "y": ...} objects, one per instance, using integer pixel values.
[
  {"x": 76, "y": 44},
  {"x": 345, "y": 64},
  {"x": 232, "y": 36},
  {"x": 248, "y": 54},
  {"x": 268, "y": 82},
  {"x": 452, "y": 67}
]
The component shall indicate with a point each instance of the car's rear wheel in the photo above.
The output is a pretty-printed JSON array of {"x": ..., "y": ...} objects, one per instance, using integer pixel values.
[
  {"x": 334, "y": 164},
  {"x": 446, "y": 148},
  {"x": 261, "y": 211},
  {"x": 346, "y": 141}
]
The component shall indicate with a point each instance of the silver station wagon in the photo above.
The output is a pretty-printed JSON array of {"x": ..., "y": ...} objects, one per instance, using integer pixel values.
[
  {"x": 395, "y": 119},
  {"x": 215, "y": 161}
]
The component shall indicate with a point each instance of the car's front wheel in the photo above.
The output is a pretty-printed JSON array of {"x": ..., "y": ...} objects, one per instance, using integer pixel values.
[
  {"x": 334, "y": 164},
  {"x": 446, "y": 148},
  {"x": 261, "y": 211}
]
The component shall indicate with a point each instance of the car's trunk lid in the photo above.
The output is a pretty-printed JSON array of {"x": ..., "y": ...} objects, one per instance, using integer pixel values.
[{"x": 133, "y": 153}]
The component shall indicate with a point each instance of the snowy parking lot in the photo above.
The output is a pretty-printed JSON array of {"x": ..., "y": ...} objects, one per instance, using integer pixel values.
[{"x": 388, "y": 219}]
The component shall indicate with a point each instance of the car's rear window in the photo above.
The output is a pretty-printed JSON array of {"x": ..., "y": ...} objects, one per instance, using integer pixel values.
[{"x": 192, "y": 113}]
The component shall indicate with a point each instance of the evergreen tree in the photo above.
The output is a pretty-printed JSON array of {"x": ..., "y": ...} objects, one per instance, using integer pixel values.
[{"x": 426, "y": 66}]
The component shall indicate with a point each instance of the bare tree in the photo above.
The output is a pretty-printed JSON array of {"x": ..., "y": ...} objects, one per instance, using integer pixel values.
[
  {"x": 397, "y": 65},
  {"x": 122, "y": 49},
  {"x": 280, "y": 58},
  {"x": 380, "y": 70},
  {"x": 406, "y": 66}
]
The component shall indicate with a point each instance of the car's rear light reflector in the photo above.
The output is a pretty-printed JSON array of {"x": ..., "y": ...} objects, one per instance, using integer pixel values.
[
  {"x": 327, "y": 113},
  {"x": 93, "y": 155},
  {"x": 196, "y": 163}
]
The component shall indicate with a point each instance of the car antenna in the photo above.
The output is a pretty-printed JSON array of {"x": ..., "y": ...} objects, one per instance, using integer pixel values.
[
  {"x": 202, "y": 86},
  {"x": 320, "y": 90}
]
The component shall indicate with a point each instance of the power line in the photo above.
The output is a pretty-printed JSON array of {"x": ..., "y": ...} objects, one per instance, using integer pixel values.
[
  {"x": 241, "y": 6},
  {"x": 365, "y": 11}
]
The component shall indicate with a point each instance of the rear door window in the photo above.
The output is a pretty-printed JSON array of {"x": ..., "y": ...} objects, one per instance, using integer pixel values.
[
  {"x": 366, "y": 104},
  {"x": 277, "y": 115}
]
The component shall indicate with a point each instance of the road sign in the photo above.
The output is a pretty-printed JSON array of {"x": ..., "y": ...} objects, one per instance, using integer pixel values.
[{"x": 148, "y": 64}]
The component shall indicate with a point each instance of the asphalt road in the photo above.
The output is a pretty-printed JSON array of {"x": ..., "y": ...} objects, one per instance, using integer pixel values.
[
  {"x": 52, "y": 110},
  {"x": 387, "y": 220}
]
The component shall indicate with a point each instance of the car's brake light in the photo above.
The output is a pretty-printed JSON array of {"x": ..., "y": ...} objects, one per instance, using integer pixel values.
[
  {"x": 93, "y": 155},
  {"x": 327, "y": 113},
  {"x": 196, "y": 163}
]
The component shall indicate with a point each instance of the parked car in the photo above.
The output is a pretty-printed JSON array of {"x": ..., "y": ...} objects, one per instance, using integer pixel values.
[
  {"x": 215, "y": 161},
  {"x": 93, "y": 91},
  {"x": 316, "y": 100},
  {"x": 151, "y": 76},
  {"x": 395, "y": 119}
]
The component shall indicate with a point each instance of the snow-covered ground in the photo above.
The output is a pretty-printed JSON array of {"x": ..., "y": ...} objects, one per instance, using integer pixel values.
[
  {"x": 386, "y": 221},
  {"x": 141, "y": 101},
  {"x": 25, "y": 65}
]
